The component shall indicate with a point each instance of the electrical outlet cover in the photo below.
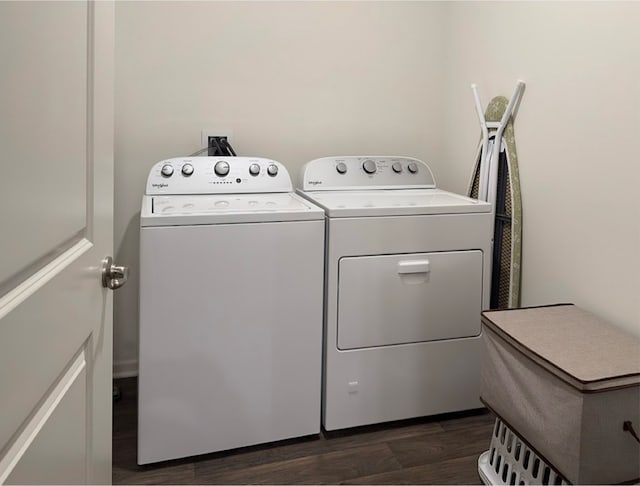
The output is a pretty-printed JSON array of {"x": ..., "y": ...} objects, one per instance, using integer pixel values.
[{"x": 206, "y": 133}]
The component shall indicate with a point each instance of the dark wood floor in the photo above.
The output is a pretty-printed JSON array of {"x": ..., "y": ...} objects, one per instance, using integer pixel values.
[{"x": 436, "y": 450}]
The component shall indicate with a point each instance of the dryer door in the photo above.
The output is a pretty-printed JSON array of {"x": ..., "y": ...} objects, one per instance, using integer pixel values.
[{"x": 397, "y": 299}]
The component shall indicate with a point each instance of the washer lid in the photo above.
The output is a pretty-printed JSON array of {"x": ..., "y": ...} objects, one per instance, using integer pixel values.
[
  {"x": 346, "y": 204},
  {"x": 232, "y": 208}
]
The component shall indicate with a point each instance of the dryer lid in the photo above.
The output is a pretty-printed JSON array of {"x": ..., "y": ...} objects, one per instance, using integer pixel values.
[
  {"x": 346, "y": 204},
  {"x": 184, "y": 210}
]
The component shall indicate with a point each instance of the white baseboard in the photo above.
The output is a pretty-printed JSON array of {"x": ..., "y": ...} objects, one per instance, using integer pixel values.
[{"x": 125, "y": 369}]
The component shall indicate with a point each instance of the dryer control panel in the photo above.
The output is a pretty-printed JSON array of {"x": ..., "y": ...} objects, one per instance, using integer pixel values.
[
  {"x": 366, "y": 172},
  {"x": 217, "y": 175}
]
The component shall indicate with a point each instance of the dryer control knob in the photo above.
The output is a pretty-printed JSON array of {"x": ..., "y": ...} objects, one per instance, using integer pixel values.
[
  {"x": 341, "y": 168},
  {"x": 187, "y": 170},
  {"x": 254, "y": 169},
  {"x": 167, "y": 170},
  {"x": 369, "y": 166},
  {"x": 413, "y": 167},
  {"x": 272, "y": 170},
  {"x": 221, "y": 168},
  {"x": 397, "y": 167}
]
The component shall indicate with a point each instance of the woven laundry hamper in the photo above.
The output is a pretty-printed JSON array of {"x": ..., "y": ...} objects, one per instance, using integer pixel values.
[{"x": 569, "y": 385}]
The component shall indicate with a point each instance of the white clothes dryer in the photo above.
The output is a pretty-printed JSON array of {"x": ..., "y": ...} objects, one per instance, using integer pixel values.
[
  {"x": 406, "y": 278},
  {"x": 231, "y": 272}
]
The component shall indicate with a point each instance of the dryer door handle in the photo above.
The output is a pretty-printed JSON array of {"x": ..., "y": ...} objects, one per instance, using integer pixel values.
[{"x": 413, "y": 266}]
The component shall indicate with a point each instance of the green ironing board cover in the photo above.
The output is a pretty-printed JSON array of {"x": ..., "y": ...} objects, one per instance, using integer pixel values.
[{"x": 511, "y": 255}]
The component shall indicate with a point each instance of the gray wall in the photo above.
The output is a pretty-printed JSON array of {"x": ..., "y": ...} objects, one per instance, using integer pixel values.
[{"x": 298, "y": 80}]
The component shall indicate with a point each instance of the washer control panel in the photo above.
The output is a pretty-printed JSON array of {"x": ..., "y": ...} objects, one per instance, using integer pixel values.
[
  {"x": 366, "y": 172},
  {"x": 217, "y": 175}
]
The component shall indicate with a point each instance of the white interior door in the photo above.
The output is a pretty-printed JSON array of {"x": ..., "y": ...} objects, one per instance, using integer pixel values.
[{"x": 56, "y": 199}]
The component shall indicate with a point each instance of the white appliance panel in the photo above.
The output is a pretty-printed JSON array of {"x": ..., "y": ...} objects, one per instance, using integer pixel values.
[
  {"x": 366, "y": 172},
  {"x": 217, "y": 175},
  {"x": 399, "y": 299},
  {"x": 343, "y": 204},
  {"x": 378, "y": 384},
  {"x": 226, "y": 208},
  {"x": 375, "y": 385},
  {"x": 230, "y": 337},
  {"x": 408, "y": 234}
]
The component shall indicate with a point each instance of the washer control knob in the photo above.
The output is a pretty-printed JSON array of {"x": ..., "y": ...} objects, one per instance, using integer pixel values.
[
  {"x": 413, "y": 167},
  {"x": 272, "y": 170},
  {"x": 187, "y": 170},
  {"x": 369, "y": 166},
  {"x": 341, "y": 168},
  {"x": 221, "y": 168},
  {"x": 397, "y": 167},
  {"x": 254, "y": 169},
  {"x": 167, "y": 170}
]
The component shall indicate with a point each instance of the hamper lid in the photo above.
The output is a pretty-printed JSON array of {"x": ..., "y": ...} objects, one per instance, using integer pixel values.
[{"x": 573, "y": 344}]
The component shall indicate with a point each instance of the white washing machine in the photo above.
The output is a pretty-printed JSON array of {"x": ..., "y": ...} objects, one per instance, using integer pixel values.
[
  {"x": 406, "y": 277},
  {"x": 231, "y": 272}
]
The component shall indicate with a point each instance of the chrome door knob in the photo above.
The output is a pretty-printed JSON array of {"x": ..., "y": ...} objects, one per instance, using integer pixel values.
[{"x": 113, "y": 276}]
